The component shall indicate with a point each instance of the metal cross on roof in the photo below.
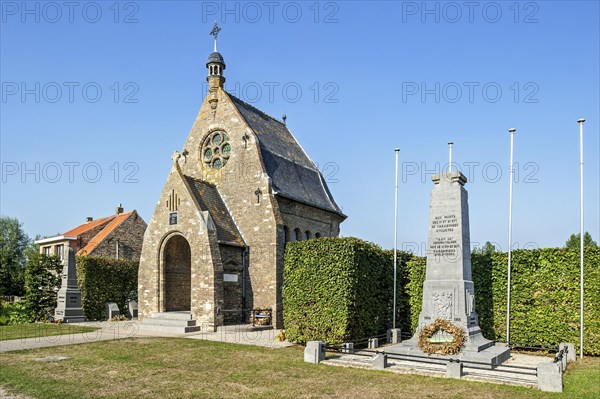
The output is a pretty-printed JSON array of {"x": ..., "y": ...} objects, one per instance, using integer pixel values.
[{"x": 215, "y": 32}]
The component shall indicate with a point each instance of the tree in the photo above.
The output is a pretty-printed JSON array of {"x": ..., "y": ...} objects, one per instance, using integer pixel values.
[
  {"x": 574, "y": 243},
  {"x": 42, "y": 280},
  {"x": 487, "y": 249},
  {"x": 13, "y": 242}
]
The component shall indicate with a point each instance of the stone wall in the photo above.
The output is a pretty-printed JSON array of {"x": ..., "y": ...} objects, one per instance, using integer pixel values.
[
  {"x": 206, "y": 267},
  {"x": 233, "y": 275},
  {"x": 129, "y": 235},
  {"x": 84, "y": 238},
  {"x": 306, "y": 221},
  {"x": 260, "y": 216},
  {"x": 237, "y": 182}
]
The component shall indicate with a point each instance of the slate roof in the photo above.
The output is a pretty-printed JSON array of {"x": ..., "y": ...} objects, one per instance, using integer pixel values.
[
  {"x": 293, "y": 175},
  {"x": 101, "y": 236},
  {"x": 215, "y": 57},
  {"x": 210, "y": 200}
]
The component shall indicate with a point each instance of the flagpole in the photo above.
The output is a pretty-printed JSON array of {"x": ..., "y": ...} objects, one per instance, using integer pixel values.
[
  {"x": 397, "y": 150},
  {"x": 581, "y": 233},
  {"x": 450, "y": 156},
  {"x": 510, "y": 195}
]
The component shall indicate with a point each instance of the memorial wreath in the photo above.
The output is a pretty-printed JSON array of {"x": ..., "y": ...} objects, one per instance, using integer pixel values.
[{"x": 441, "y": 348}]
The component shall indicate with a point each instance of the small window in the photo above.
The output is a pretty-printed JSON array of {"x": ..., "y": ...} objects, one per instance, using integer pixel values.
[
  {"x": 297, "y": 235},
  {"x": 59, "y": 251},
  {"x": 286, "y": 234},
  {"x": 173, "y": 218},
  {"x": 307, "y": 235},
  {"x": 47, "y": 251},
  {"x": 317, "y": 235}
]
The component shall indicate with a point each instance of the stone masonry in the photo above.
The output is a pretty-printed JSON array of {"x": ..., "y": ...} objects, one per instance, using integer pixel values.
[{"x": 236, "y": 212}]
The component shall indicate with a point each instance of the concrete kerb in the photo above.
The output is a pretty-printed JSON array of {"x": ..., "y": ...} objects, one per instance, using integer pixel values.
[
  {"x": 373, "y": 343},
  {"x": 314, "y": 352},
  {"x": 393, "y": 336},
  {"x": 549, "y": 377},
  {"x": 380, "y": 361},
  {"x": 454, "y": 369},
  {"x": 348, "y": 347}
]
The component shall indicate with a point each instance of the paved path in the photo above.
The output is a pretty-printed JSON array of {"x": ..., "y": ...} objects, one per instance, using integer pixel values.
[{"x": 127, "y": 329}]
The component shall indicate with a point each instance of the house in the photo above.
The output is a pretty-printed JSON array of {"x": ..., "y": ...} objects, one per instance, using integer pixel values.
[
  {"x": 117, "y": 236},
  {"x": 239, "y": 189}
]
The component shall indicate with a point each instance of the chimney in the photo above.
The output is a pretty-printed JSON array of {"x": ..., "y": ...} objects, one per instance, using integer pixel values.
[
  {"x": 89, "y": 219},
  {"x": 120, "y": 209}
]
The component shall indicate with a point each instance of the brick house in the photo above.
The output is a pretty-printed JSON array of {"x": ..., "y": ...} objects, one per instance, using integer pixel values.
[
  {"x": 241, "y": 187},
  {"x": 117, "y": 236}
]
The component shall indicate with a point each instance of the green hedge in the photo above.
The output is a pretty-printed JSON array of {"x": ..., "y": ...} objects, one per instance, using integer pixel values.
[
  {"x": 337, "y": 289},
  {"x": 340, "y": 289},
  {"x": 544, "y": 295},
  {"x": 414, "y": 291},
  {"x": 104, "y": 280},
  {"x": 42, "y": 280}
]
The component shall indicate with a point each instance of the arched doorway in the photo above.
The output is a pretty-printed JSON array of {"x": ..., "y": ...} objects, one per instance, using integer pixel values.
[{"x": 178, "y": 274}]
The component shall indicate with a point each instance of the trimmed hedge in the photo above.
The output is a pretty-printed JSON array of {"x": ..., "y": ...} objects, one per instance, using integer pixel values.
[
  {"x": 414, "y": 290},
  {"x": 336, "y": 289},
  {"x": 340, "y": 289},
  {"x": 544, "y": 295},
  {"x": 104, "y": 280},
  {"x": 42, "y": 281}
]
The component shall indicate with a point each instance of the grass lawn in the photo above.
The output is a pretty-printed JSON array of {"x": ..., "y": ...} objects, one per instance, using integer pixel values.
[
  {"x": 188, "y": 368},
  {"x": 34, "y": 330}
]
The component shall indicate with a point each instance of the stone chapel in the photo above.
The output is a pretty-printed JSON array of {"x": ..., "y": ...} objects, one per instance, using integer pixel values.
[{"x": 239, "y": 189}]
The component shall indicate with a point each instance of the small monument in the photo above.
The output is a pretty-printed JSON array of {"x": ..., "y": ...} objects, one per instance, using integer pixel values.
[
  {"x": 68, "y": 305},
  {"x": 448, "y": 323}
]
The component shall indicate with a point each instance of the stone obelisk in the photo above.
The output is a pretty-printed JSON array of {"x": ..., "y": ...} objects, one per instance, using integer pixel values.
[
  {"x": 68, "y": 304},
  {"x": 448, "y": 291}
]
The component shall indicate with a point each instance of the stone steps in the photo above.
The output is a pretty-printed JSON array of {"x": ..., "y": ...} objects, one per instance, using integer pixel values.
[
  {"x": 171, "y": 322},
  {"x": 172, "y": 315}
]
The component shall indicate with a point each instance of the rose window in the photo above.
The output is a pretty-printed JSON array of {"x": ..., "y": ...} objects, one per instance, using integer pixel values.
[{"x": 216, "y": 150}]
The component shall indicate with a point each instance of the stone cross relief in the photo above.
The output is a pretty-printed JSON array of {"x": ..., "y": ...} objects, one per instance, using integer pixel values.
[
  {"x": 443, "y": 302},
  {"x": 245, "y": 137},
  {"x": 258, "y": 193}
]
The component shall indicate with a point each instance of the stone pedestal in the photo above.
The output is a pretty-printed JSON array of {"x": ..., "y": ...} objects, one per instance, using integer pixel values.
[
  {"x": 314, "y": 352},
  {"x": 68, "y": 303},
  {"x": 448, "y": 288}
]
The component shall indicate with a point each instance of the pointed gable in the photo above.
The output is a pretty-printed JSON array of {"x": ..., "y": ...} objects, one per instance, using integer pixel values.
[{"x": 293, "y": 175}]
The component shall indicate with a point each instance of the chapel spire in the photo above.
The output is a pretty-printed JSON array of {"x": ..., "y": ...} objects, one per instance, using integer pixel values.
[{"x": 215, "y": 63}]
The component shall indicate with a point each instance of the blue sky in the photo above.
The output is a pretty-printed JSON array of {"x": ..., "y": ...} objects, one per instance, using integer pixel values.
[{"x": 97, "y": 95}]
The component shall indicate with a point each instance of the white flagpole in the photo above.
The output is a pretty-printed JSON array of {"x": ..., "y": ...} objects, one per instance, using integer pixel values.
[
  {"x": 450, "y": 157},
  {"x": 510, "y": 195},
  {"x": 581, "y": 233},
  {"x": 397, "y": 150}
]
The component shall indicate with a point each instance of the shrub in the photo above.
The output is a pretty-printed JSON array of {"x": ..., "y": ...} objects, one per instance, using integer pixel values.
[
  {"x": 338, "y": 289},
  {"x": 13, "y": 313},
  {"x": 544, "y": 295},
  {"x": 42, "y": 280},
  {"x": 104, "y": 280}
]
